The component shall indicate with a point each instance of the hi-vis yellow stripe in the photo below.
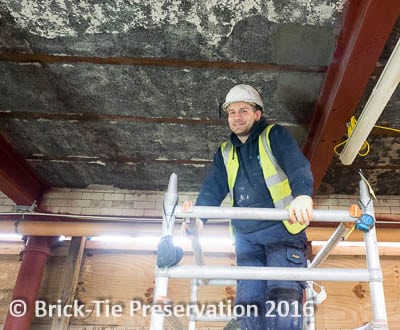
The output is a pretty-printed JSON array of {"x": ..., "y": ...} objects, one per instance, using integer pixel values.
[
  {"x": 275, "y": 179},
  {"x": 280, "y": 190},
  {"x": 231, "y": 165},
  {"x": 293, "y": 228}
]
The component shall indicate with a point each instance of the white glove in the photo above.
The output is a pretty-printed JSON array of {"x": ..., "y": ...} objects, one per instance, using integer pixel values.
[
  {"x": 301, "y": 209},
  {"x": 195, "y": 226}
]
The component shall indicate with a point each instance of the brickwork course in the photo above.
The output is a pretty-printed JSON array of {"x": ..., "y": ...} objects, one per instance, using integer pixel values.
[{"x": 138, "y": 203}]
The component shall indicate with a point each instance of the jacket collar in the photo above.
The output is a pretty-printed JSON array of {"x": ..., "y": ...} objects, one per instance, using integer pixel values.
[{"x": 255, "y": 131}]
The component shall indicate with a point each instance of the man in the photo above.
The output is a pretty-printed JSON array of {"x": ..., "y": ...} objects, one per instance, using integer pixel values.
[{"x": 263, "y": 166}]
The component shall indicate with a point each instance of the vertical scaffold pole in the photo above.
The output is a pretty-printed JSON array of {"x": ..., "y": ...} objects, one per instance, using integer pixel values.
[
  {"x": 309, "y": 320},
  {"x": 161, "y": 282},
  {"x": 373, "y": 263},
  {"x": 194, "y": 289}
]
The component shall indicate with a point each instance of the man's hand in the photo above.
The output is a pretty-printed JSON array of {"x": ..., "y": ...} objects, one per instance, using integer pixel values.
[
  {"x": 301, "y": 209},
  {"x": 195, "y": 226},
  {"x": 192, "y": 230}
]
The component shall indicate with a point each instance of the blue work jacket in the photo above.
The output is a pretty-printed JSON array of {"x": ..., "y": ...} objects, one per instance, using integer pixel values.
[{"x": 250, "y": 189}]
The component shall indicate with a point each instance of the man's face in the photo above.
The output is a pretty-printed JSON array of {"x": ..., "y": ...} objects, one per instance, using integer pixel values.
[{"x": 241, "y": 117}]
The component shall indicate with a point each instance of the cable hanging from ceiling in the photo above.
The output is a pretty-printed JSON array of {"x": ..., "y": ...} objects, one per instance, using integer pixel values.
[{"x": 365, "y": 148}]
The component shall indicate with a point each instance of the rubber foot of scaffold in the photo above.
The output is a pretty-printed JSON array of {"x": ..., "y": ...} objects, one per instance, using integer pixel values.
[{"x": 168, "y": 255}]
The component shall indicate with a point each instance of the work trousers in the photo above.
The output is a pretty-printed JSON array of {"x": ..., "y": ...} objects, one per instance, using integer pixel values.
[{"x": 271, "y": 304}]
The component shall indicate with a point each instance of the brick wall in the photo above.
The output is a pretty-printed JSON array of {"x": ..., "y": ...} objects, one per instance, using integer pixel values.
[
  {"x": 383, "y": 204},
  {"x": 112, "y": 202},
  {"x": 6, "y": 204},
  {"x": 118, "y": 202}
]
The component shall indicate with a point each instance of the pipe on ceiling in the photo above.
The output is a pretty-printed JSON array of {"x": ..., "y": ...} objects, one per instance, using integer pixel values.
[
  {"x": 377, "y": 101},
  {"x": 60, "y": 217},
  {"x": 81, "y": 228}
]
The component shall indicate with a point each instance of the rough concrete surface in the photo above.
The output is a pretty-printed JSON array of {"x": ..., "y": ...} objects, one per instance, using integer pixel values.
[{"x": 112, "y": 112}]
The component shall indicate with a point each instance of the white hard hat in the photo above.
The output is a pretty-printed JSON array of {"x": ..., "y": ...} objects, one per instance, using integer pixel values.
[{"x": 242, "y": 93}]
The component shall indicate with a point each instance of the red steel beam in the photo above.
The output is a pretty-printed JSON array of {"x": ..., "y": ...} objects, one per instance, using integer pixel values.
[
  {"x": 17, "y": 179},
  {"x": 160, "y": 62},
  {"x": 95, "y": 117},
  {"x": 27, "y": 286},
  {"x": 366, "y": 28}
]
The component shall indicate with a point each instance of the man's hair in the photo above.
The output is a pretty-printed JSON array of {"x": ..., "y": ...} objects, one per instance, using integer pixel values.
[{"x": 256, "y": 106}]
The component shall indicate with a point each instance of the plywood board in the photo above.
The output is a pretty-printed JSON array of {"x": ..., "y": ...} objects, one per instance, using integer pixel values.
[{"x": 121, "y": 277}]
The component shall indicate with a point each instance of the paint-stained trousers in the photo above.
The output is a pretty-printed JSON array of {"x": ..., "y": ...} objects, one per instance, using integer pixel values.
[{"x": 272, "y": 304}]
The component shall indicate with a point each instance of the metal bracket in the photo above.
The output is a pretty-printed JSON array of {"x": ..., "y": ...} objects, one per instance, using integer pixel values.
[{"x": 26, "y": 208}]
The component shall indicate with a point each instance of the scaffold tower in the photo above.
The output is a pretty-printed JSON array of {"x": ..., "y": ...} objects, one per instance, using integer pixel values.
[{"x": 201, "y": 274}]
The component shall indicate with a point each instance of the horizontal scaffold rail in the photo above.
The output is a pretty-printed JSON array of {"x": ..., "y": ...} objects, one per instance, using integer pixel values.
[
  {"x": 272, "y": 273},
  {"x": 217, "y": 212}
]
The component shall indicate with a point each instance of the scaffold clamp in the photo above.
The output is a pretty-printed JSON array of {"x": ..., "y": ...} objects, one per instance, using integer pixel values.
[{"x": 365, "y": 223}]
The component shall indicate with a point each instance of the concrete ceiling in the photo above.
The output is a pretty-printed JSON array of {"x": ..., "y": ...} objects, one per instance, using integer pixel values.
[{"x": 124, "y": 93}]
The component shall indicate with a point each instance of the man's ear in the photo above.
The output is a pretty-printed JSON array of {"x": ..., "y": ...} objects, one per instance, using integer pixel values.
[{"x": 258, "y": 115}]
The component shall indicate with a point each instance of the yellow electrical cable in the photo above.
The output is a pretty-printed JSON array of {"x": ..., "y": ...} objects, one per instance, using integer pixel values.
[
  {"x": 365, "y": 148},
  {"x": 349, "y": 232},
  {"x": 339, "y": 145},
  {"x": 388, "y": 128}
]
